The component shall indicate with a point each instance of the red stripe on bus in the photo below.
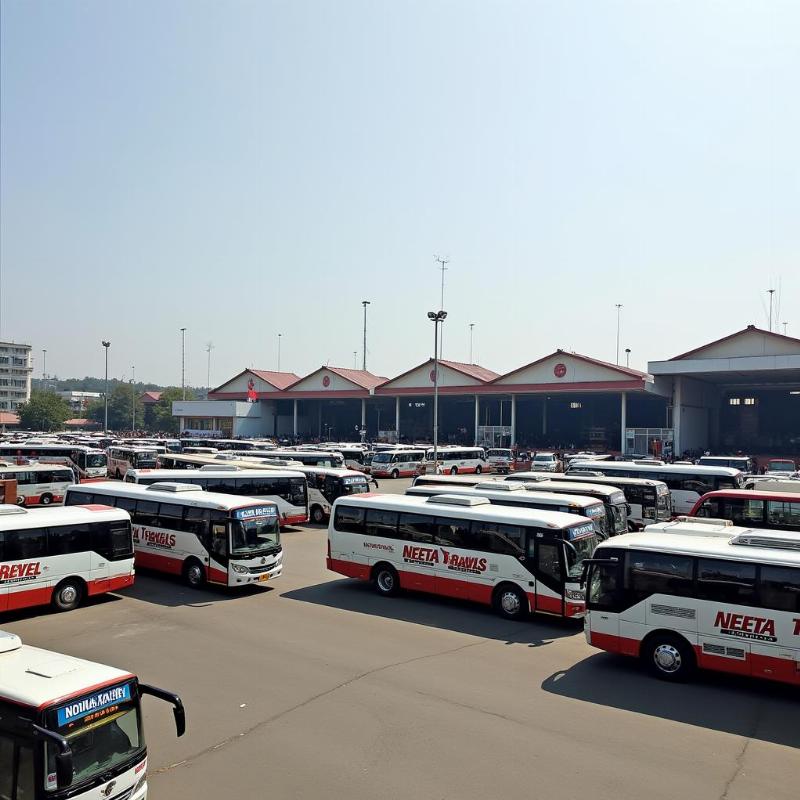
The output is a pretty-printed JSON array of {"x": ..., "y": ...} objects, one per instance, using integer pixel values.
[{"x": 157, "y": 561}]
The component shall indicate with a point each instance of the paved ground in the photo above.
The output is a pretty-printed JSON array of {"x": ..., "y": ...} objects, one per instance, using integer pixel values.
[{"x": 318, "y": 688}]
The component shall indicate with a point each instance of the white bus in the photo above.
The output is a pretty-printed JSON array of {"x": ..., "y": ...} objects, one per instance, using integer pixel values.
[
  {"x": 39, "y": 484},
  {"x": 742, "y": 463},
  {"x": 325, "y": 485},
  {"x": 679, "y": 598},
  {"x": 71, "y": 728},
  {"x": 500, "y": 459},
  {"x": 355, "y": 456},
  {"x": 397, "y": 463},
  {"x": 649, "y": 501},
  {"x": 121, "y": 459},
  {"x": 516, "y": 560},
  {"x": 288, "y": 490},
  {"x": 88, "y": 462},
  {"x": 687, "y": 483},
  {"x": 201, "y": 536},
  {"x": 62, "y": 555},
  {"x": 311, "y": 458},
  {"x": 524, "y": 495},
  {"x": 457, "y": 460}
]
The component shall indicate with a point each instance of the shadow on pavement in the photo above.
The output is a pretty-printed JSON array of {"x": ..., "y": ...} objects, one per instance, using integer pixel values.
[
  {"x": 727, "y": 703},
  {"x": 171, "y": 591},
  {"x": 435, "y": 612},
  {"x": 48, "y": 610}
]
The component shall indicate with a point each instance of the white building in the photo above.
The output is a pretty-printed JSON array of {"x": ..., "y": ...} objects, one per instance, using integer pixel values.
[
  {"x": 15, "y": 375},
  {"x": 79, "y": 401}
]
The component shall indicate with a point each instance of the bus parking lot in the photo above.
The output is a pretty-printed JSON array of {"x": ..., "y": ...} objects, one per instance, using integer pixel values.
[{"x": 317, "y": 687}]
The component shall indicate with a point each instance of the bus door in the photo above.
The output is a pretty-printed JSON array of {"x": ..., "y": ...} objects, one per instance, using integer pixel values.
[
  {"x": 603, "y": 593},
  {"x": 545, "y": 559}
]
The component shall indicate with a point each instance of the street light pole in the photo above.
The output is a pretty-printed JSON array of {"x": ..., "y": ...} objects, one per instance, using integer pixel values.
[
  {"x": 619, "y": 306},
  {"x": 471, "y": 326},
  {"x": 279, "y": 351},
  {"x": 364, "y": 303},
  {"x": 133, "y": 399},
  {"x": 44, "y": 369},
  {"x": 627, "y": 356},
  {"x": 106, "y": 345},
  {"x": 183, "y": 361},
  {"x": 436, "y": 317}
]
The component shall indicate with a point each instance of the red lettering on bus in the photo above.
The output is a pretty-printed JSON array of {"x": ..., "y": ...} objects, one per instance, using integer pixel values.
[
  {"x": 29, "y": 570},
  {"x": 746, "y": 623}
]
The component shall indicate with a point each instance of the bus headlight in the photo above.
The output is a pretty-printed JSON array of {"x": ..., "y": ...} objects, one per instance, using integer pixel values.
[
  {"x": 574, "y": 594},
  {"x": 240, "y": 569}
]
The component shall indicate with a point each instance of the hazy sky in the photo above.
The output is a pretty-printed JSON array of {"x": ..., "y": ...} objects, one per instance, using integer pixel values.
[{"x": 249, "y": 168}]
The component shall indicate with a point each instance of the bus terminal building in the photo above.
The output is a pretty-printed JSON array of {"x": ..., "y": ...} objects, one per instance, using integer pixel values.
[{"x": 738, "y": 393}]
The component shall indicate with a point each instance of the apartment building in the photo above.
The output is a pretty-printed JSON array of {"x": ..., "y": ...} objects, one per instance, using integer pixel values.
[{"x": 15, "y": 375}]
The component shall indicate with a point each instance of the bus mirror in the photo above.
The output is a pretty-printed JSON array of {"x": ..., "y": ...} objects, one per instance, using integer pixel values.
[
  {"x": 177, "y": 705},
  {"x": 180, "y": 718},
  {"x": 64, "y": 769}
]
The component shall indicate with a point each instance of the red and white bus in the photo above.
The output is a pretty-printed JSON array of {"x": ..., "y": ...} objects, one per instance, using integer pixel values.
[
  {"x": 87, "y": 462},
  {"x": 456, "y": 460},
  {"x": 202, "y": 536},
  {"x": 397, "y": 463},
  {"x": 39, "y": 484},
  {"x": 62, "y": 555},
  {"x": 71, "y": 729},
  {"x": 752, "y": 508},
  {"x": 517, "y": 560},
  {"x": 727, "y": 600}
]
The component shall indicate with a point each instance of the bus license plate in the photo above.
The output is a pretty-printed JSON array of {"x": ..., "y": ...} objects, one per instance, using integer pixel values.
[{"x": 264, "y": 577}]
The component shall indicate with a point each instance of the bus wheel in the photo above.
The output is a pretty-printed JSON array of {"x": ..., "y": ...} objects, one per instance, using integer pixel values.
[
  {"x": 46, "y": 499},
  {"x": 454, "y": 470},
  {"x": 668, "y": 657},
  {"x": 20, "y": 501},
  {"x": 317, "y": 515},
  {"x": 478, "y": 470},
  {"x": 386, "y": 581},
  {"x": 68, "y": 594},
  {"x": 194, "y": 574},
  {"x": 510, "y": 603}
]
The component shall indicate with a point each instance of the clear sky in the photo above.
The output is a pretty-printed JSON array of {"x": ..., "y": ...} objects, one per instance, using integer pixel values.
[{"x": 249, "y": 168}]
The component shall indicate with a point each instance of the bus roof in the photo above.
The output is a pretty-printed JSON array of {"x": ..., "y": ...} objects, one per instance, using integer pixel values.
[
  {"x": 36, "y": 467},
  {"x": 670, "y": 538},
  {"x": 38, "y": 678},
  {"x": 697, "y": 469},
  {"x": 577, "y": 487},
  {"x": 604, "y": 479},
  {"x": 518, "y": 493},
  {"x": 14, "y": 518},
  {"x": 753, "y": 494},
  {"x": 210, "y": 471},
  {"x": 429, "y": 505},
  {"x": 190, "y": 496}
]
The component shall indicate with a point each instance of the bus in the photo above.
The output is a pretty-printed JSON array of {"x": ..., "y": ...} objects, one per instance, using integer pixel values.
[
  {"x": 524, "y": 495},
  {"x": 500, "y": 459},
  {"x": 62, "y": 555},
  {"x": 517, "y": 560},
  {"x": 204, "y": 537},
  {"x": 355, "y": 455},
  {"x": 39, "y": 484},
  {"x": 71, "y": 728},
  {"x": 648, "y": 501},
  {"x": 311, "y": 458},
  {"x": 121, "y": 459},
  {"x": 613, "y": 523},
  {"x": 685, "y": 600},
  {"x": 742, "y": 463},
  {"x": 753, "y": 509},
  {"x": 326, "y": 484},
  {"x": 288, "y": 490},
  {"x": 456, "y": 460},
  {"x": 686, "y": 482},
  {"x": 88, "y": 462},
  {"x": 397, "y": 463}
]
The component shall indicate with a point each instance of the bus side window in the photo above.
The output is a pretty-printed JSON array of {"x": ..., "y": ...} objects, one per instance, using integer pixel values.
[
  {"x": 784, "y": 513},
  {"x": 780, "y": 588},
  {"x": 454, "y": 532},
  {"x": 79, "y": 499},
  {"x": 658, "y": 573},
  {"x": 24, "y": 544},
  {"x": 349, "y": 520},
  {"x": 65, "y": 539}
]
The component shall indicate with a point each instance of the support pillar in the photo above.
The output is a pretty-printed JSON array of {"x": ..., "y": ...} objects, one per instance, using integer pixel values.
[
  {"x": 623, "y": 413},
  {"x": 677, "y": 413},
  {"x": 294, "y": 417},
  {"x": 397, "y": 418},
  {"x": 319, "y": 419},
  {"x": 544, "y": 416},
  {"x": 477, "y": 416},
  {"x": 363, "y": 418},
  {"x": 513, "y": 442}
]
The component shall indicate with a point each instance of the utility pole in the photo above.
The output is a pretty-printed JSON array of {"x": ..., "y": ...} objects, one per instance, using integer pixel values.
[
  {"x": 471, "y": 326},
  {"x": 209, "y": 348},
  {"x": 443, "y": 262},
  {"x": 355, "y": 359},
  {"x": 771, "y": 293},
  {"x": 133, "y": 399},
  {"x": 627, "y": 356},
  {"x": 44, "y": 369},
  {"x": 279, "y": 351},
  {"x": 364, "y": 303},
  {"x": 785, "y": 326},
  {"x": 436, "y": 317},
  {"x": 106, "y": 345},
  {"x": 619, "y": 306},
  {"x": 183, "y": 361}
]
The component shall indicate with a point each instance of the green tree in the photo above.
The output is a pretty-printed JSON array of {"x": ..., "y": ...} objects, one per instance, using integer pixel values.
[
  {"x": 122, "y": 400},
  {"x": 159, "y": 415},
  {"x": 45, "y": 411}
]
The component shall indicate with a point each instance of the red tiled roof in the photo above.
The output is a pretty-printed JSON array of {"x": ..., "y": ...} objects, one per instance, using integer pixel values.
[
  {"x": 360, "y": 377},
  {"x": 151, "y": 397},
  {"x": 748, "y": 329},
  {"x": 625, "y": 370},
  {"x": 280, "y": 380},
  {"x": 473, "y": 370},
  {"x": 81, "y": 423},
  {"x": 8, "y": 418}
]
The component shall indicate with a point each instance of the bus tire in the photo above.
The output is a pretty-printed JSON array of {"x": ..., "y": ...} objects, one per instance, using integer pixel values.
[
  {"x": 510, "y": 602},
  {"x": 454, "y": 470},
  {"x": 386, "y": 580},
  {"x": 668, "y": 656},
  {"x": 395, "y": 474},
  {"x": 46, "y": 499},
  {"x": 20, "y": 500},
  {"x": 68, "y": 594},
  {"x": 317, "y": 515},
  {"x": 478, "y": 470},
  {"x": 194, "y": 574}
]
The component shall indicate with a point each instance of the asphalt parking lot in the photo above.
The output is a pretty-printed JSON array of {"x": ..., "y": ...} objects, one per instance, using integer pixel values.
[{"x": 317, "y": 688}]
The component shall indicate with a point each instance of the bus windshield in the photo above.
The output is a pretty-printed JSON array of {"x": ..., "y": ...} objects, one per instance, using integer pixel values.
[
  {"x": 252, "y": 533},
  {"x": 618, "y": 517},
  {"x": 354, "y": 485},
  {"x": 100, "y": 746},
  {"x": 578, "y": 550},
  {"x": 95, "y": 460},
  {"x": 382, "y": 458}
]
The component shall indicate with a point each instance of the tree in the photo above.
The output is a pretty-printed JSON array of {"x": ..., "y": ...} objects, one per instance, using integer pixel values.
[
  {"x": 45, "y": 411},
  {"x": 159, "y": 415},
  {"x": 122, "y": 400}
]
